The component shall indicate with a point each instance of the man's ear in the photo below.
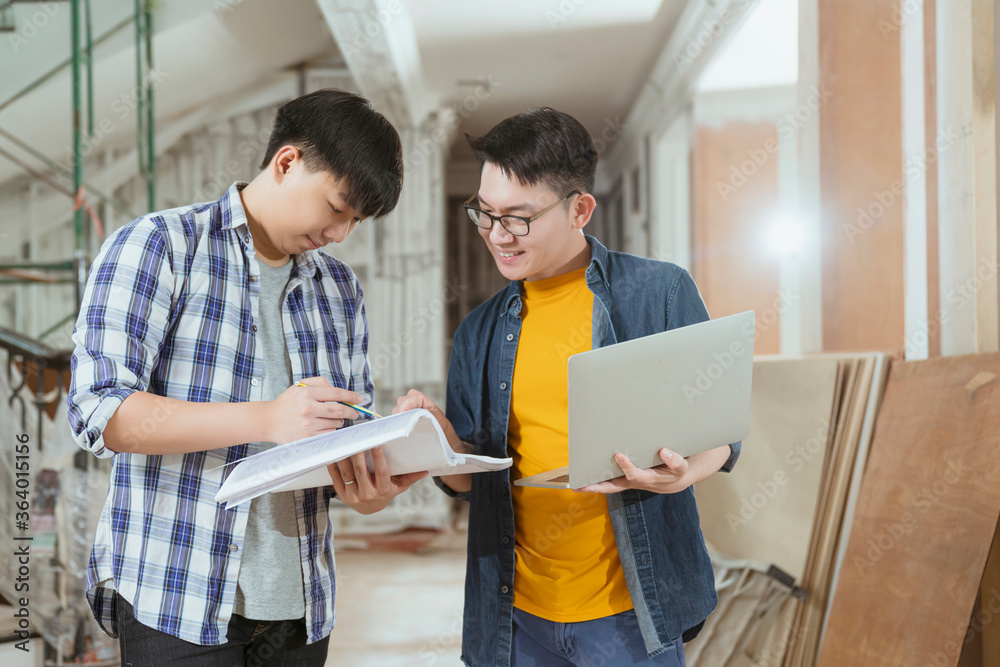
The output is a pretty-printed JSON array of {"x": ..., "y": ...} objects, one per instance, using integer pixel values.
[
  {"x": 582, "y": 210},
  {"x": 285, "y": 159}
]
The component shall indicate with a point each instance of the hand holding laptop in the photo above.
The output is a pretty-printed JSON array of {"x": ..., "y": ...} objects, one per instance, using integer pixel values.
[{"x": 676, "y": 474}]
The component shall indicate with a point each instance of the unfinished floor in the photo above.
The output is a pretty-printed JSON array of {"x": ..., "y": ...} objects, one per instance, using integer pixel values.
[{"x": 399, "y": 601}]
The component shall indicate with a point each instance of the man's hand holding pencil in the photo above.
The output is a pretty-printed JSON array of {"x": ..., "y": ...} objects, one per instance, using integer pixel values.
[{"x": 324, "y": 408}]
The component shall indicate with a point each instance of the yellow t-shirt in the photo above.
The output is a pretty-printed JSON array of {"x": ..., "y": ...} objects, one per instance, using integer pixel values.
[{"x": 567, "y": 567}]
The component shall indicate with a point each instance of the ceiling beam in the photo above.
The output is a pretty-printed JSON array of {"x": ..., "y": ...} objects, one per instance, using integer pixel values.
[{"x": 379, "y": 44}]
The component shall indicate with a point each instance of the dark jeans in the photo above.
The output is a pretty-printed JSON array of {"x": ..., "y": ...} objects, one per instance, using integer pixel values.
[
  {"x": 249, "y": 644},
  {"x": 603, "y": 642}
]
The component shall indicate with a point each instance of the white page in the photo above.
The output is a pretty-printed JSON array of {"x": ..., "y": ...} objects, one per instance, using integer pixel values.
[{"x": 412, "y": 442}]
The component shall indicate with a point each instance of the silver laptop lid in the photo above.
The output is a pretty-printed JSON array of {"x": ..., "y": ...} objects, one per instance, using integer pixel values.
[{"x": 687, "y": 390}]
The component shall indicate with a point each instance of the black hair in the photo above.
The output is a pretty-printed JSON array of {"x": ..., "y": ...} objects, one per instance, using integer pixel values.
[
  {"x": 541, "y": 145},
  {"x": 342, "y": 133}
]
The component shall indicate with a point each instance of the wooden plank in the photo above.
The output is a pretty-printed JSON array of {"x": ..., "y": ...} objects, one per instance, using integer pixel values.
[
  {"x": 926, "y": 518},
  {"x": 826, "y": 529},
  {"x": 987, "y": 608},
  {"x": 862, "y": 182},
  {"x": 735, "y": 200},
  {"x": 765, "y": 511},
  {"x": 985, "y": 170}
]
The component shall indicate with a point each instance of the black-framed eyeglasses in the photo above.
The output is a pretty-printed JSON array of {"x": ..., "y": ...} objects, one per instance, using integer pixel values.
[{"x": 517, "y": 225}]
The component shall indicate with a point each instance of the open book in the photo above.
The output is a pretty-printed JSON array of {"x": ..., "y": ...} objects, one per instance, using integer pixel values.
[{"x": 412, "y": 442}]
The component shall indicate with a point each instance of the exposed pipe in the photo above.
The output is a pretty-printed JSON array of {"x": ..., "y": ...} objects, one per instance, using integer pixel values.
[
  {"x": 151, "y": 117},
  {"x": 77, "y": 119},
  {"x": 90, "y": 73}
]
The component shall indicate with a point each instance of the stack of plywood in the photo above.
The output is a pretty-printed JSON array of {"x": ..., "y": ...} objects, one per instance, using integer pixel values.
[
  {"x": 790, "y": 500},
  {"x": 925, "y": 523},
  {"x": 751, "y": 619}
]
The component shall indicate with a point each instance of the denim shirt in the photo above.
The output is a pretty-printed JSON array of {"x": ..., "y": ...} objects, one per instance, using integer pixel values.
[{"x": 659, "y": 540}]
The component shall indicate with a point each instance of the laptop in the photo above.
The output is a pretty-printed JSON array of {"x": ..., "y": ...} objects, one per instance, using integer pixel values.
[{"x": 687, "y": 390}]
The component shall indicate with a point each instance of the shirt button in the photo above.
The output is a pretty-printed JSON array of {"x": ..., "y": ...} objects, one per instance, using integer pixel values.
[
  {"x": 246, "y": 239},
  {"x": 506, "y": 540},
  {"x": 254, "y": 382},
  {"x": 504, "y": 589},
  {"x": 510, "y": 336},
  {"x": 253, "y": 328},
  {"x": 253, "y": 279},
  {"x": 233, "y": 547},
  {"x": 503, "y": 385}
]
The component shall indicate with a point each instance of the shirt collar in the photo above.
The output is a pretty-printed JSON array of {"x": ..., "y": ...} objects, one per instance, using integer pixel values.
[
  {"x": 234, "y": 217},
  {"x": 598, "y": 262},
  {"x": 598, "y": 269}
]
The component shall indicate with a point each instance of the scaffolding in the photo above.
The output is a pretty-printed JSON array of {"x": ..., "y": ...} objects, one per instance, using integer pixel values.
[
  {"x": 81, "y": 64},
  {"x": 33, "y": 375}
]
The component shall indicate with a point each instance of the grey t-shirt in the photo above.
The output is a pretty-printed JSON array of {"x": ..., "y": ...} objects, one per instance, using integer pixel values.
[{"x": 269, "y": 587}]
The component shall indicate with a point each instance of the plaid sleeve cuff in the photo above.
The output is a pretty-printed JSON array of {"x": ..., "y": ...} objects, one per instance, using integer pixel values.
[{"x": 89, "y": 434}]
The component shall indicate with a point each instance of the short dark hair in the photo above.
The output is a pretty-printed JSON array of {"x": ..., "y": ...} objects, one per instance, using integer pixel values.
[
  {"x": 541, "y": 145},
  {"x": 343, "y": 134}
]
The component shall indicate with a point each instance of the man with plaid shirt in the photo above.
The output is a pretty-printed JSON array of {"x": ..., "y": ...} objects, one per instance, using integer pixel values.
[{"x": 196, "y": 326}]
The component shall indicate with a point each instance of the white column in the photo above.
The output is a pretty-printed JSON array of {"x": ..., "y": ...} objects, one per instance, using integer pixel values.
[
  {"x": 810, "y": 296},
  {"x": 915, "y": 195},
  {"x": 670, "y": 193}
]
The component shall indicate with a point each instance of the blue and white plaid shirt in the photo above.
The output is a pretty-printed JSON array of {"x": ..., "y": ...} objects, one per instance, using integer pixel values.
[{"x": 169, "y": 309}]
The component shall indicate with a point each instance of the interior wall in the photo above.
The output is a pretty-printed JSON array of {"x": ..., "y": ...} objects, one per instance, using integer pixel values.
[
  {"x": 861, "y": 177},
  {"x": 735, "y": 200}
]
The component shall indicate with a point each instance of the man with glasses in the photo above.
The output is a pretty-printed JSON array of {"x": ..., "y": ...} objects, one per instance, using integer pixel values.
[{"x": 619, "y": 573}]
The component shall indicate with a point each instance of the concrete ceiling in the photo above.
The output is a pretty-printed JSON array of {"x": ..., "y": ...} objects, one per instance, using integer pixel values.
[
  {"x": 588, "y": 58},
  {"x": 202, "y": 50}
]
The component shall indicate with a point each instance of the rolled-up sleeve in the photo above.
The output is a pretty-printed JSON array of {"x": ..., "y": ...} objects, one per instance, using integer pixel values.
[
  {"x": 122, "y": 322},
  {"x": 684, "y": 307}
]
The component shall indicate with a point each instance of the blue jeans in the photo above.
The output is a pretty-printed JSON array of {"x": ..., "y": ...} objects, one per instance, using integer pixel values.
[
  {"x": 603, "y": 642},
  {"x": 250, "y": 644}
]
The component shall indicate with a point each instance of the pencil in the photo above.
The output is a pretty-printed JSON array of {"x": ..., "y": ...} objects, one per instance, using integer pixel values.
[{"x": 364, "y": 411}]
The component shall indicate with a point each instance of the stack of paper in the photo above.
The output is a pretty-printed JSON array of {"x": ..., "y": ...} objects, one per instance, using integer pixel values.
[{"x": 412, "y": 442}]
